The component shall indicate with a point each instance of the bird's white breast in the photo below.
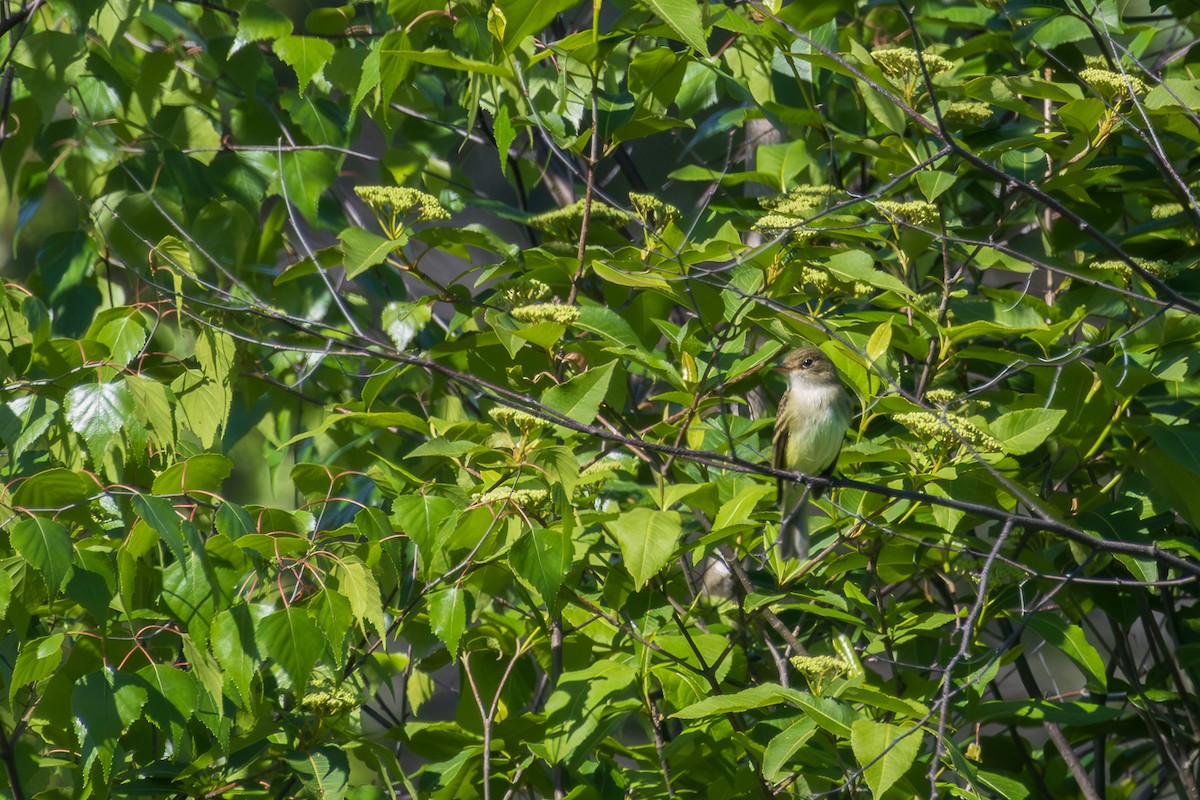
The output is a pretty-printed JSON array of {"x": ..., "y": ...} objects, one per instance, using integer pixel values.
[{"x": 819, "y": 425}]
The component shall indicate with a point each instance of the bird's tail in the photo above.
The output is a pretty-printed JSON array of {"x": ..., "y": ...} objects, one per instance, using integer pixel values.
[{"x": 793, "y": 524}]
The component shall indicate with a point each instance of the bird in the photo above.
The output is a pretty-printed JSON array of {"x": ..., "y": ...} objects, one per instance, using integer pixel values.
[{"x": 809, "y": 430}]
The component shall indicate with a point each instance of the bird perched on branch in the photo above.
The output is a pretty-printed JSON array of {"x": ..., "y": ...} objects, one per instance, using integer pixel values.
[{"x": 809, "y": 430}]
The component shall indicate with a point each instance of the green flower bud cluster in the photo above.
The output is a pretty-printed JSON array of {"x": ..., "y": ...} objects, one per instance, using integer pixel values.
[
  {"x": 522, "y": 292},
  {"x": 525, "y": 498},
  {"x": 571, "y": 216},
  {"x": 1166, "y": 210},
  {"x": 398, "y": 201},
  {"x": 803, "y": 201},
  {"x": 604, "y": 465},
  {"x": 967, "y": 112},
  {"x": 949, "y": 430},
  {"x": 330, "y": 701},
  {"x": 512, "y": 416},
  {"x": 652, "y": 211},
  {"x": 775, "y": 224},
  {"x": 1156, "y": 267},
  {"x": 817, "y": 667},
  {"x": 927, "y": 301},
  {"x": 904, "y": 62},
  {"x": 546, "y": 312},
  {"x": 917, "y": 212},
  {"x": 820, "y": 280},
  {"x": 1112, "y": 85}
]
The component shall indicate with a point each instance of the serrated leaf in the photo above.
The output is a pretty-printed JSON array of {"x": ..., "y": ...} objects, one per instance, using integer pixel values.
[
  {"x": 160, "y": 515},
  {"x": 325, "y": 771},
  {"x": 257, "y": 21},
  {"x": 306, "y": 55},
  {"x": 104, "y": 704},
  {"x": 235, "y": 647},
  {"x": 684, "y": 18},
  {"x": 542, "y": 557},
  {"x": 856, "y": 266},
  {"x": 358, "y": 585},
  {"x": 293, "y": 641},
  {"x": 502, "y": 129},
  {"x": 580, "y": 397},
  {"x": 884, "y": 751},
  {"x": 737, "y": 510},
  {"x": 37, "y": 659},
  {"x": 1024, "y": 430},
  {"x": 46, "y": 545},
  {"x": 784, "y": 745},
  {"x": 204, "y": 473},
  {"x": 362, "y": 250},
  {"x": 647, "y": 538},
  {"x": 153, "y": 408},
  {"x": 448, "y": 616},
  {"x": 97, "y": 412},
  {"x": 403, "y": 321},
  {"x": 123, "y": 330},
  {"x": 1072, "y": 641}
]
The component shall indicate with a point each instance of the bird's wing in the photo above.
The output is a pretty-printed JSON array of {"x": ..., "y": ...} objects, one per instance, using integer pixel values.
[{"x": 780, "y": 440}]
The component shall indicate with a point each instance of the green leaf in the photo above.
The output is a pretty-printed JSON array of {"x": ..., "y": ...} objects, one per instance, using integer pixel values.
[
  {"x": 325, "y": 771},
  {"x": 204, "y": 473},
  {"x": 420, "y": 517},
  {"x": 583, "y": 706},
  {"x": 684, "y": 18},
  {"x": 235, "y": 647},
  {"x": 853, "y": 266},
  {"x": 502, "y": 129},
  {"x": 24, "y": 420},
  {"x": 208, "y": 676},
  {"x": 293, "y": 642},
  {"x": 104, "y": 705},
  {"x": 1023, "y": 431},
  {"x": 561, "y": 465},
  {"x": 448, "y": 616},
  {"x": 38, "y": 658},
  {"x": 123, "y": 330},
  {"x": 172, "y": 701},
  {"x": 435, "y": 57},
  {"x": 97, "y": 412},
  {"x": 884, "y": 751},
  {"x": 542, "y": 557},
  {"x": 234, "y": 521},
  {"x": 784, "y": 745},
  {"x": 363, "y": 250},
  {"x": 54, "y": 489},
  {"x": 160, "y": 515},
  {"x": 647, "y": 538},
  {"x": 934, "y": 183},
  {"x": 257, "y": 21},
  {"x": 306, "y": 174},
  {"x": 1036, "y": 712},
  {"x": 403, "y": 321},
  {"x": 306, "y": 55},
  {"x": 46, "y": 545},
  {"x": 359, "y": 586},
  {"x": 1072, "y": 641},
  {"x": 329, "y": 21},
  {"x": 153, "y": 407},
  {"x": 737, "y": 511},
  {"x": 580, "y": 397}
]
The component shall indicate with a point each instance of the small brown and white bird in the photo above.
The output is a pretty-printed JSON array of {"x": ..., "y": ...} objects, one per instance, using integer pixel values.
[{"x": 809, "y": 430}]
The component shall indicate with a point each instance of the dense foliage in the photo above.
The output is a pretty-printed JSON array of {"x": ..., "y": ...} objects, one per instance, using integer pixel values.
[{"x": 386, "y": 403}]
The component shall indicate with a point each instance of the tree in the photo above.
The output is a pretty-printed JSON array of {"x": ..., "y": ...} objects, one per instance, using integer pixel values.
[{"x": 352, "y": 350}]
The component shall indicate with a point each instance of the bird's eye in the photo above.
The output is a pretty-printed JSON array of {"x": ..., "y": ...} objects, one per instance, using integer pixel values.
[{"x": 808, "y": 362}]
